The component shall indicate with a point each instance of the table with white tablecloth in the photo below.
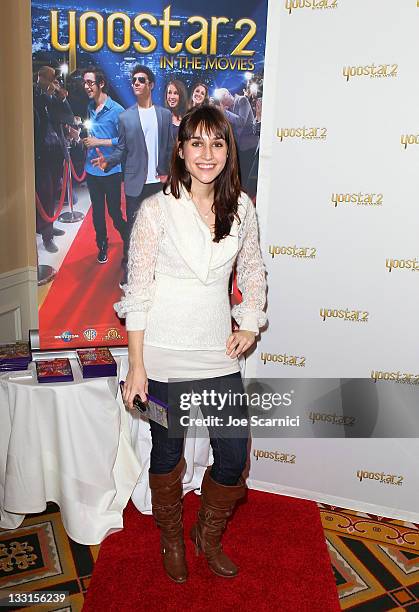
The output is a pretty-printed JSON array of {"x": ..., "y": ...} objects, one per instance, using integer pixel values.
[
  {"x": 67, "y": 443},
  {"x": 76, "y": 444}
]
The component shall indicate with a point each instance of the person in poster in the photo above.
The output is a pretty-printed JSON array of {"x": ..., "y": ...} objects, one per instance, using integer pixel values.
[
  {"x": 176, "y": 100},
  {"x": 217, "y": 45},
  {"x": 103, "y": 114},
  {"x": 50, "y": 110},
  {"x": 199, "y": 95},
  {"x": 145, "y": 144},
  {"x": 240, "y": 114}
]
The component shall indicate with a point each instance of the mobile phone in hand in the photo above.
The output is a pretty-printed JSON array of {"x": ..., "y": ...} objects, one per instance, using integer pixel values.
[{"x": 137, "y": 402}]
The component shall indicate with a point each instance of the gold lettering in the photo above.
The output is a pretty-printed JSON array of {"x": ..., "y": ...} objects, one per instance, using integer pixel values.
[
  {"x": 64, "y": 47},
  {"x": 166, "y": 22},
  {"x": 240, "y": 49},
  {"x": 215, "y": 21},
  {"x": 211, "y": 63},
  {"x": 99, "y": 31},
  {"x": 152, "y": 42},
  {"x": 202, "y": 34},
  {"x": 111, "y": 32}
]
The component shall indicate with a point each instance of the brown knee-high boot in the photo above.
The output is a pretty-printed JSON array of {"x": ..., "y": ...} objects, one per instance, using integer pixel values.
[
  {"x": 217, "y": 505},
  {"x": 166, "y": 501}
]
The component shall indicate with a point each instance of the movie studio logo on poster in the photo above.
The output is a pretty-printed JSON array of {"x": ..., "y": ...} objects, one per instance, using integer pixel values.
[
  {"x": 90, "y": 334},
  {"x": 347, "y": 314},
  {"x": 382, "y": 477},
  {"x": 402, "y": 264},
  {"x": 112, "y": 334},
  {"x": 283, "y": 359},
  {"x": 359, "y": 199},
  {"x": 300, "y": 252},
  {"x": 120, "y": 33},
  {"x": 301, "y": 133},
  {"x": 292, "y": 5},
  {"x": 278, "y": 456},
  {"x": 66, "y": 336},
  {"x": 374, "y": 71}
]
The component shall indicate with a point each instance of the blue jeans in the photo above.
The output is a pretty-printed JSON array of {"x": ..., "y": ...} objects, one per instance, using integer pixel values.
[{"x": 229, "y": 444}]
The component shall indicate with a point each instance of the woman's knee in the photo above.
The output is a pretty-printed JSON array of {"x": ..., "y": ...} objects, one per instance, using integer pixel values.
[
  {"x": 165, "y": 452},
  {"x": 163, "y": 463},
  {"x": 229, "y": 461}
]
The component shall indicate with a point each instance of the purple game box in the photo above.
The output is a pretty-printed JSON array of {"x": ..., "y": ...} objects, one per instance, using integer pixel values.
[
  {"x": 54, "y": 370},
  {"x": 96, "y": 362}
]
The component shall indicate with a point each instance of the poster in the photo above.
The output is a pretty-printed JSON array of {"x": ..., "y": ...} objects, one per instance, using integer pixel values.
[{"x": 215, "y": 51}]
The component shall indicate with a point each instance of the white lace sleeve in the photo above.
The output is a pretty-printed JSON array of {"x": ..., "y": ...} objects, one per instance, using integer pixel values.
[
  {"x": 251, "y": 277},
  {"x": 142, "y": 256}
]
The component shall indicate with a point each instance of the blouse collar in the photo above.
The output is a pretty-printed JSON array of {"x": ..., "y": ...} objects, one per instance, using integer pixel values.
[{"x": 192, "y": 237}]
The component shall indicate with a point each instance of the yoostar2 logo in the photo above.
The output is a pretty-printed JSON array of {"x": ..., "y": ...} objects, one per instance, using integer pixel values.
[
  {"x": 371, "y": 70},
  {"x": 305, "y": 133},
  {"x": 291, "y": 5}
]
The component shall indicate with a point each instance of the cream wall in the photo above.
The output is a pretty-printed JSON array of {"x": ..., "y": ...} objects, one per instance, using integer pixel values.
[{"x": 17, "y": 214}]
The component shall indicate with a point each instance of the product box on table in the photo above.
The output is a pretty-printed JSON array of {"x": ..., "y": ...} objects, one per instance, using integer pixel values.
[
  {"x": 96, "y": 361},
  {"x": 14, "y": 356},
  {"x": 54, "y": 370}
]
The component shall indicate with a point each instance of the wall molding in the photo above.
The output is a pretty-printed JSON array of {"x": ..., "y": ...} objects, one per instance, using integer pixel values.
[{"x": 18, "y": 303}]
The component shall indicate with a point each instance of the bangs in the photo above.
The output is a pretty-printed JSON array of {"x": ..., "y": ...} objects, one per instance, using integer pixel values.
[
  {"x": 209, "y": 121},
  {"x": 205, "y": 119}
]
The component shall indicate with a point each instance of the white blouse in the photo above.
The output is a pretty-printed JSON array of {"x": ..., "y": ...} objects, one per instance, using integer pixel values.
[{"x": 178, "y": 277}]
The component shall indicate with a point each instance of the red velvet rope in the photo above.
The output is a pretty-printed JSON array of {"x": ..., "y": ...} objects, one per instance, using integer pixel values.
[
  {"x": 40, "y": 207},
  {"x": 71, "y": 192},
  {"x": 76, "y": 177}
]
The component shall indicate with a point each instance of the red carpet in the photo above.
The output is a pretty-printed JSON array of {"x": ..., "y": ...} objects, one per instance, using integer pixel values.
[
  {"x": 83, "y": 292},
  {"x": 277, "y": 542}
]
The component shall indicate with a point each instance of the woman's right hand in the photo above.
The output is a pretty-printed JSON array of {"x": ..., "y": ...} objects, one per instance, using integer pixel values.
[{"x": 135, "y": 383}]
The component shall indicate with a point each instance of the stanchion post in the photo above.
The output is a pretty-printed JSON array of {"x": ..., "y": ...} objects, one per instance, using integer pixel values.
[{"x": 73, "y": 216}]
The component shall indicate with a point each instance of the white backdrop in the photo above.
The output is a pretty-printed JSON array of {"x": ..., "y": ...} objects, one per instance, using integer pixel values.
[{"x": 338, "y": 205}]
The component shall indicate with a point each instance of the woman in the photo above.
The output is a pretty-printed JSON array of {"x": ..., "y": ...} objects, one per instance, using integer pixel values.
[
  {"x": 176, "y": 100},
  {"x": 183, "y": 246},
  {"x": 199, "y": 95}
]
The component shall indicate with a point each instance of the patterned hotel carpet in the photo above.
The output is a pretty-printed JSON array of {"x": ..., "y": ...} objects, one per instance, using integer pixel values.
[
  {"x": 39, "y": 556},
  {"x": 375, "y": 560}
]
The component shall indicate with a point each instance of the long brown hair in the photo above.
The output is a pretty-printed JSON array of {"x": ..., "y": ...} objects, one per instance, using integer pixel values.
[
  {"x": 227, "y": 186},
  {"x": 182, "y": 106},
  {"x": 205, "y": 100}
]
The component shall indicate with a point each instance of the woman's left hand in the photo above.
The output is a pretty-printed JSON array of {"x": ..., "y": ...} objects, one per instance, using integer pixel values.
[{"x": 239, "y": 342}]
